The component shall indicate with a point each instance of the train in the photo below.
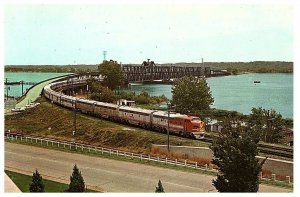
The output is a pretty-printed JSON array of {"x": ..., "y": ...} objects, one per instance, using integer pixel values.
[{"x": 178, "y": 124}]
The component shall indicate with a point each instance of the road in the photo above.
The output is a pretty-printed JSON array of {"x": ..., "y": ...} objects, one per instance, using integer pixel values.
[
  {"x": 105, "y": 174},
  {"x": 34, "y": 93}
]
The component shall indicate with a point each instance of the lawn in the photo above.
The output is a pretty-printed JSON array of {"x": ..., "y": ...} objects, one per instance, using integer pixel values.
[{"x": 23, "y": 181}]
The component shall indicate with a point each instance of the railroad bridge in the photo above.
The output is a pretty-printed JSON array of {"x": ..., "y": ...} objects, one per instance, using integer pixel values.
[{"x": 148, "y": 71}]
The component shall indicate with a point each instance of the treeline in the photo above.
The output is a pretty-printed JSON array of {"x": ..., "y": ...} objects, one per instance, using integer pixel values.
[
  {"x": 241, "y": 67},
  {"x": 51, "y": 68},
  {"x": 233, "y": 67}
]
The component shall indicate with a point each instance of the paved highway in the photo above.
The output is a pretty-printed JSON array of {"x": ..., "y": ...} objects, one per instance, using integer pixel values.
[{"x": 105, "y": 174}]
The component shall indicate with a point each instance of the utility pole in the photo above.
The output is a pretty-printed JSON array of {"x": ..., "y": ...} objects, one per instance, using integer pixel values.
[
  {"x": 267, "y": 130},
  {"x": 22, "y": 83},
  {"x": 87, "y": 91},
  {"x": 6, "y": 89},
  {"x": 74, "y": 122},
  {"x": 168, "y": 127},
  {"x": 72, "y": 88}
]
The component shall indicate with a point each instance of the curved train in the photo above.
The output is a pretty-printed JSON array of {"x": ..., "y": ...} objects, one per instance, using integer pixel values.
[{"x": 180, "y": 124}]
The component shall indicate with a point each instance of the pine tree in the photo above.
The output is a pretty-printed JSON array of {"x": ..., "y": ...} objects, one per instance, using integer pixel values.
[
  {"x": 234, "y": 153},
  {"x": 76, "y": 181},
  {"x": 159, "y": 188},
  {"x": 37, "y": 184}
]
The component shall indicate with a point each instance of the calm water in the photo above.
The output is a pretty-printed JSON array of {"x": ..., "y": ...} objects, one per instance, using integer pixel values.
[
  {"x": 16, "y": 90},
  {"x": 239, "y": 93}
]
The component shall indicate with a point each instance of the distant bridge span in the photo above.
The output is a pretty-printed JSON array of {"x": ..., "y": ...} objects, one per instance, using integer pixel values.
[{"x": 164, "y": 73}]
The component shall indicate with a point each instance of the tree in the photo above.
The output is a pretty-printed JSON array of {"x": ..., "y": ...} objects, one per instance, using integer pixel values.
[
  {"x": 143, "y": 98},
  {"x": 100, "y": 93},
  {"x": 268, "y": 123},
  {"x": 106, "y": 95},
  {"x": 234, "y": 154},
  {"x": 191, "y": 94},
  {"x": 112, "y": 73},
  {"x": 37, "y": 184},
  {"x": 159, "y": 188},
  {"x": 76, "y": 181}
]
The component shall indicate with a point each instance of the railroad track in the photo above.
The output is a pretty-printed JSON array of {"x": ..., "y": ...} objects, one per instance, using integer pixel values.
[{"x": 284, "y": 152}]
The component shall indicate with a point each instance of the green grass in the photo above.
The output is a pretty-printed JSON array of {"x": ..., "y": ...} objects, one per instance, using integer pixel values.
[
  {"x": 23, "y": 181},
  {"x": 95, "y": 131},
  {"x": 283, "y": 184}
]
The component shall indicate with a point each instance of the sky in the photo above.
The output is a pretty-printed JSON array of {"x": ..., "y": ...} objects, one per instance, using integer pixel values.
[{"x": 130, "y": 33}]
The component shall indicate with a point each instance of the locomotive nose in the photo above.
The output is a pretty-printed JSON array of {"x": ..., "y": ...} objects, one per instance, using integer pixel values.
[{"x": 201, "y": 126}]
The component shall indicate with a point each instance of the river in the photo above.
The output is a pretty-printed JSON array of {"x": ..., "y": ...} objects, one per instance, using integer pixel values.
[
  {"x": 16, "y": 90},
  {"x": 239, "y": 93}
]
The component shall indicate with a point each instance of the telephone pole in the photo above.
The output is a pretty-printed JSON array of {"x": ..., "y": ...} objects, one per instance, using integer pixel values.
[
  {"x": 74, "y": 120},
  {"x": 6, "y": 89},
  {"x": 22, "y": 83}
]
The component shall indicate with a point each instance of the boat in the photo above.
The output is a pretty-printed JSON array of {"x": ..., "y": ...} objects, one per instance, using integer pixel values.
[{"x": 256, "y": 81}]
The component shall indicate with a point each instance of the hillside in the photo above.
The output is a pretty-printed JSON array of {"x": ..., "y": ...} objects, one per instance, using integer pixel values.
[{"x": 58, "y": 123}]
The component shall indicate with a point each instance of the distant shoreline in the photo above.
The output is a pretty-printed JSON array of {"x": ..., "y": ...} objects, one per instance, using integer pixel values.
[{"x": 231, "y": 67}]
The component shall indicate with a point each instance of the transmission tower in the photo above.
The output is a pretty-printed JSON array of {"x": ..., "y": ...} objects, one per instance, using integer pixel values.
[{"x": 104, "y": 55}]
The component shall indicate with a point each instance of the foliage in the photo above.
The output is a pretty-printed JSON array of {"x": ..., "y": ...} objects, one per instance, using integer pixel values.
[
  {"x": 218, "y": 114},
  {"x": 256, "y": 66},
  {"x": 37, "y": 184},
  {"x": 191, "y": 94},
  {"x": 51, "y": 68},
  {"x": 142, "y": 98},
  {"x": 100, "y": 93},
  {"x": 268, "y": 123},
  {"x": 126, "y": 95},
  {"x": 76, "y": 181},
  {"x": 159, "y": 188},
  {"x": 112, "y": 73},
  {"x": 22, "y": 181},
  {"x": 104, "y": 95},
  {"x": 234, "y": 154}
]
